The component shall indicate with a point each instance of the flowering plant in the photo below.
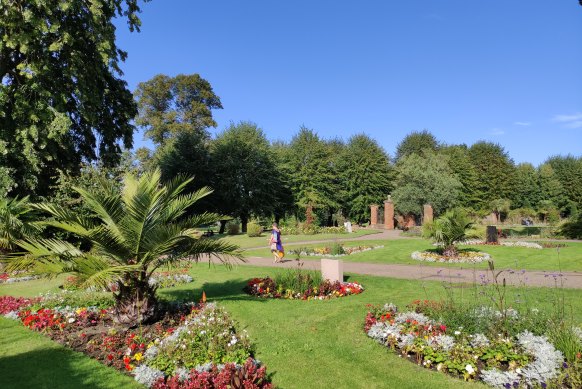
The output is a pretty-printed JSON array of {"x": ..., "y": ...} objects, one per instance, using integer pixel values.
[{"x": 267, "y": 288}]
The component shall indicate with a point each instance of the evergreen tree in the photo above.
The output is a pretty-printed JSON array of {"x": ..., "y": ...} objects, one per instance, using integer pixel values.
[
  {"x": 366, "y": 176},
  {"x": 551, "y": 188},
  {"x": 495, "y": 169},
  {"x": 415, "y": 143},
  {"x": 461, "y": 165},
  {"x": 568, "y": 170},
  {"x": 526, "y": 193}
]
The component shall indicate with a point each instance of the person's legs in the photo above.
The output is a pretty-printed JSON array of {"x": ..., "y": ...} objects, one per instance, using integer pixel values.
[{"x": 274, "y": 252}]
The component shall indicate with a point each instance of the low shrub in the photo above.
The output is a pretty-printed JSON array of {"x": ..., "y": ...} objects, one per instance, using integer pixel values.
[
  {"x": 233, "y": 228},
  {"x": 254, "y": 230}
]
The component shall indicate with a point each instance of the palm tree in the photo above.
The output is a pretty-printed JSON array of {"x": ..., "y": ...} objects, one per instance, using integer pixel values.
[
  {"x": 133, "y": 233},
  {"x": 15, "y": 222},
  {"x": 448, "y": 229}
]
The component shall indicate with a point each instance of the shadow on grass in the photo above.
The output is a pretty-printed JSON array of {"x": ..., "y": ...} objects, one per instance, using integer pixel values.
[{"x": 231, "y": 290}]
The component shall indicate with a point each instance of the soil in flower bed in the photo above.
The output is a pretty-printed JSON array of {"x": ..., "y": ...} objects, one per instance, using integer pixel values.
[{"x": 268, "y": 288}]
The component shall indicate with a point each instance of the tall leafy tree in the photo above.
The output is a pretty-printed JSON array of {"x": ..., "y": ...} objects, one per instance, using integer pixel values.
[
  {"x": 61, "y": 97},
  {"x": 496, "y": 171},
  {"x": 425, "y": 179},
  {"x": 172, "y": 105},
  {"x": 568, "y": 169},
  {"x": 526, "y": 192},
  {"x": 133, "y": 233},
  {"x": 416, "y": 143},
  {"x": 551, "y": 188},
  {"x": 313, "y": 172},
  {"x": 366, "y": 176},
  {"x": 245, "y": 175},
  {"x": 461, "y": 165}
]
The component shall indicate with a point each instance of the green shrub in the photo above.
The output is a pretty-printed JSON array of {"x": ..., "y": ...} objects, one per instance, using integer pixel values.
[
  {"x": 573, "y": 229},
  {"x": 298, "y": 280},
  {"x": 566, "y": 340},
  {"x": 254, "y": 230},
  {"x": 233, "y": 228},
  {"x": 337, "y": 249}
]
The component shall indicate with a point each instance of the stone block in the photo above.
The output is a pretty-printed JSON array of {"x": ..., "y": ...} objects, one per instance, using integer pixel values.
[{"x": 332, "y": 269}]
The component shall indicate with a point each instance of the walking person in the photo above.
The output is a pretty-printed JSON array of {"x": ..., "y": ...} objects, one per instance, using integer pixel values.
[{"x": 276, "y": 245}]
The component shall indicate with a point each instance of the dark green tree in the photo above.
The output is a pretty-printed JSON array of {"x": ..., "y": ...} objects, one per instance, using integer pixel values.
[
  {"x": 461, "y": 165},
  {"x": 415, "y": 143},
  {"x": 313, "y": 172},
  {"x": 366, "y": 176},
  {"x": 425, "y": 179},
  {"x": 61, "y": 97},
  {"x": 495, "y": 169},
  {"x": 551, "y": 188},
  {"x": 172, "y": 105},
  {"x": 245, "y": 175},
  {"x": 526, "y": 192},
  {"x": 568, "y": 169}
]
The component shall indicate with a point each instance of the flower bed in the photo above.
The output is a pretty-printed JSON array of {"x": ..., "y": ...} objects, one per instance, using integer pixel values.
[
  {"x": 462, "y": 257},
  {"x": 518, "y": 243},
  {"x": 6, "y": 278},
  {"x": 503, "y": 361},
  {"x": 333, "y": 251},
  {"x": 267, "y": 288},
  {"x": 192, "y": 346}
]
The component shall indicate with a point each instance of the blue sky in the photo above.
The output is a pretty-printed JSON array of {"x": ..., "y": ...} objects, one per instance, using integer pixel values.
[{"x": 504, "y": 71}]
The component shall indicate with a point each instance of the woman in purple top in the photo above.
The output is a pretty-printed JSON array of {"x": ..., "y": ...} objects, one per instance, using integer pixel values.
[{"x": 276, "y": 245}]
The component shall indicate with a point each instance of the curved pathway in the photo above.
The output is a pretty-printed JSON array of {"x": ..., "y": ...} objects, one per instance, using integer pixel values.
[{"x": 433, "y": 273}]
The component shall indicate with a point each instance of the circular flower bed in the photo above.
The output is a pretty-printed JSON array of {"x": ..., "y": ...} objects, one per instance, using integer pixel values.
[
  {"x": 267, "y": 288},
  {"x": 333, "y": 251},
  {"x": 462, "y": 257},
  {"x": 522, "y": 361},
  {"x": 518, "y": 243}
]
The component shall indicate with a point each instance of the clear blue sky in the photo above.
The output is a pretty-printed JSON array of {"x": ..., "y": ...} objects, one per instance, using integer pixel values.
[{"x": 466, "y": 70}]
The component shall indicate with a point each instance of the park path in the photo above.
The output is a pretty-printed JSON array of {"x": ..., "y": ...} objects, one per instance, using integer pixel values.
[
  {"x": 425, "y": 272},
  {"x": 434, "y": 273}
]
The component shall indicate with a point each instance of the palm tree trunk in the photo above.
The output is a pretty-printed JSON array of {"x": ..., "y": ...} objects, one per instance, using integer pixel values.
[{"x": 135, "y": 302}]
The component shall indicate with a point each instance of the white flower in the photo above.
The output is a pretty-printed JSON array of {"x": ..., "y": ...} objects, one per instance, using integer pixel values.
[
  {"x": 469, "y": 369},
  {"x": 457, "y": 332},
  {"x": 72, "y": 320}
]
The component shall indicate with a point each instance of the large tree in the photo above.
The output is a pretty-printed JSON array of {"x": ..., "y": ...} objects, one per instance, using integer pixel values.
[
  {"x": 425, "y": 179},
  {"x": 366, "y": 176},
  {"x": 568, "y": 170},
  {"x": 313, "y": 172},
  {"x": 461, "y": 165},
  {"x": 169, "y": 106},
  {"x": 526, "y": 192},
  {"x": 496, "y": 171},
  {"x": 415, "y": 143},
  {"x": 61, "y": 97},
  {"x": 551, "y": 188},
  {"x": 245, "y": 175}
]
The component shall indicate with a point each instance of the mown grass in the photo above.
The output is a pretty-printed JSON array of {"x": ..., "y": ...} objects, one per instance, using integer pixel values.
[
  {"x": 567, "y": 258},
  {"x": 245, "y": 242},
  {"x": 305, "y": 344}
]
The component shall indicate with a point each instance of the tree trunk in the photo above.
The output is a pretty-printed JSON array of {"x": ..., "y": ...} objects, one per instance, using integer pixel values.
[
  {"x": 135, "y": 302},
  {"x": 222, "y": 226},
  {"x": 451, "y": 251},
  {"x": 244, "y": 221}
]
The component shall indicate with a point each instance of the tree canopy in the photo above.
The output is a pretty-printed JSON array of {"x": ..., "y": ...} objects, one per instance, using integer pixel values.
[
  {"x": 61, "y": 98},
  {"x": 416, "y": 143}
]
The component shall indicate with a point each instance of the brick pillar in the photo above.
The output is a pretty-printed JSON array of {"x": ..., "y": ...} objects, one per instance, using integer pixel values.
[
  {"x": 374, "y": 215},
  {"x": 427, "y": 214},
  {"x": 389, "y": 215}
]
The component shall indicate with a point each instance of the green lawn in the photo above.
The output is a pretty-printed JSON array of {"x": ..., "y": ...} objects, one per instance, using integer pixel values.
[
  {"x": 398, "y": 251},
  {"x": 306, "y": 344},
  {"x": 245, "y": 242}
]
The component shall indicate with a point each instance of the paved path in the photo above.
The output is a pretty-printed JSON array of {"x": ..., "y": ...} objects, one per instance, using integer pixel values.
[{"x": 432, "y": 273}]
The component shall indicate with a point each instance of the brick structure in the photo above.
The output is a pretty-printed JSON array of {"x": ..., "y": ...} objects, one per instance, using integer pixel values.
[
  {"x": 427, "y": 214},
  {"x": 388, "y": 214},
  {"x": 373, "y": 215}
]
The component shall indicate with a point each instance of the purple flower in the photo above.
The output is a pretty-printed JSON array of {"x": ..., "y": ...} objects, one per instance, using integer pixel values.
[
  {"x": 544, "y": 385},
  {"x": 565, "y": 365}
]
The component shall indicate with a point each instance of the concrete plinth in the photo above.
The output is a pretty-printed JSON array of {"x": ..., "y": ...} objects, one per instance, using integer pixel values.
[{"x": 332, "y": 269}]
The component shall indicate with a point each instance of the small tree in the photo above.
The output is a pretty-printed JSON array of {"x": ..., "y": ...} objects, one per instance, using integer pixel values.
[
  {"x": 15, "y": 222},
  {"x": 448, "y": 229},
  {"x": 500, "y": 207},
  {"x": 133, "y": 233}
]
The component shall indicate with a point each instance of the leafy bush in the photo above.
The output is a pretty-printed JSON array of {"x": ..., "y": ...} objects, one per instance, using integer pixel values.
[
  {"x": 449, "y": 228},
  {"x": 573, "y": 229},
  {"x": 233, "y": 228},
  {"x": 254, "y": 230},
  {"x": 337, "y": 249}
]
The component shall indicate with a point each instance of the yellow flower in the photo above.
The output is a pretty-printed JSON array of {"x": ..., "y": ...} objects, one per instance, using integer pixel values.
[{"x": 138, "y": 357}]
